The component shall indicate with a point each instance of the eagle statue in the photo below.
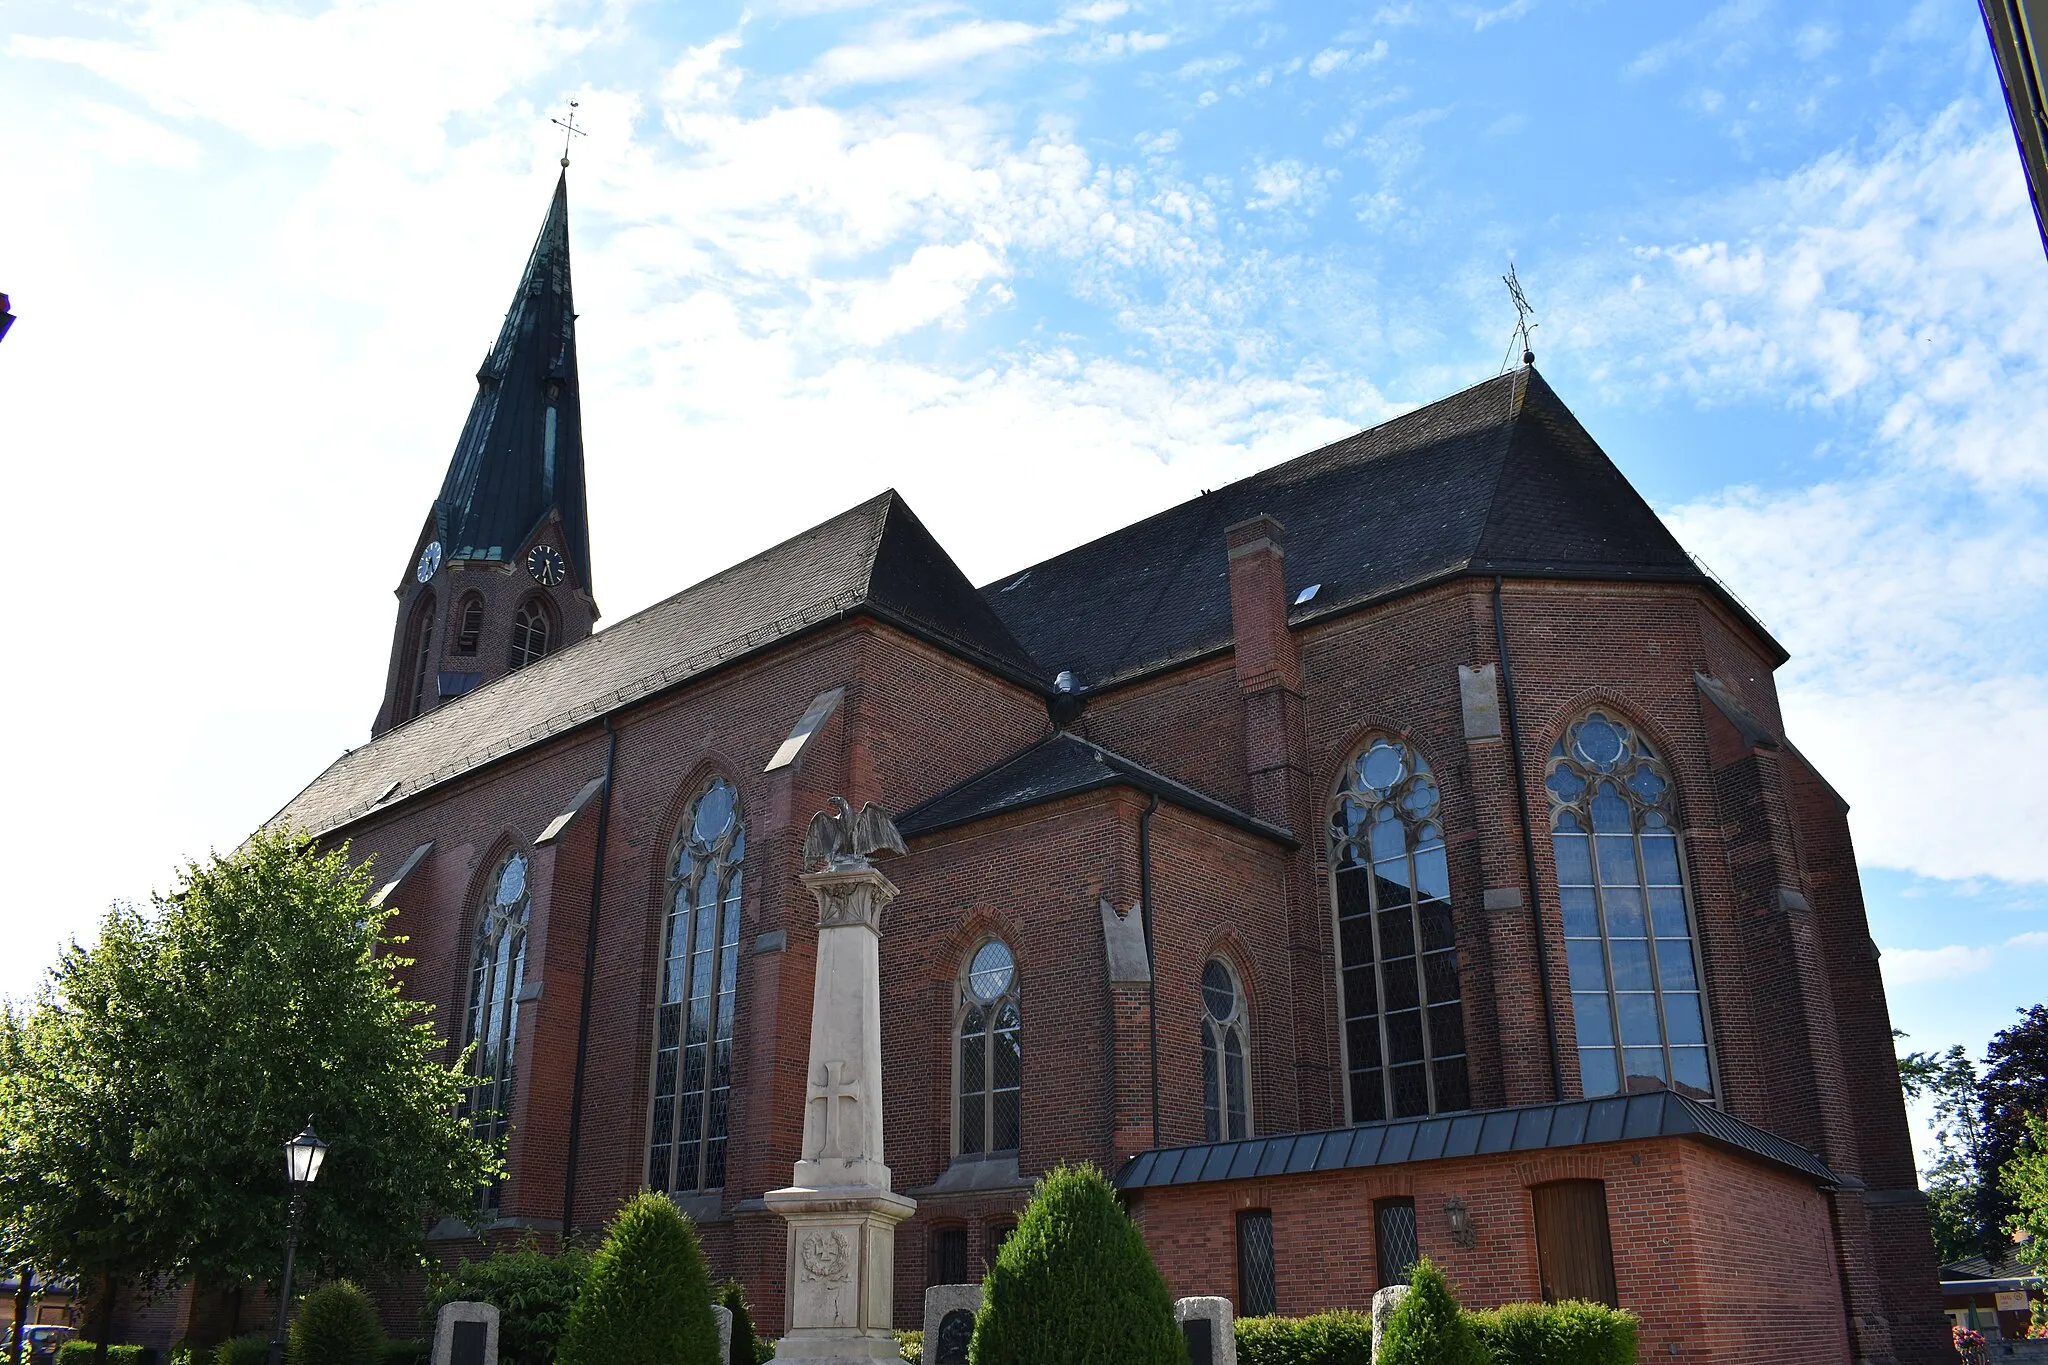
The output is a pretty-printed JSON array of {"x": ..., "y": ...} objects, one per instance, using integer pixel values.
[{"x": 838, "y": 838}]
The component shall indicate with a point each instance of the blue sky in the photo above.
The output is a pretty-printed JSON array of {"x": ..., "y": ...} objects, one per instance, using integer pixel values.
[{"x": 1045, "y": 268}]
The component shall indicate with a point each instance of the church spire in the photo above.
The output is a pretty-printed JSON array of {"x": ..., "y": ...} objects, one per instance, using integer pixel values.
[{"x": 501, "y": 574}]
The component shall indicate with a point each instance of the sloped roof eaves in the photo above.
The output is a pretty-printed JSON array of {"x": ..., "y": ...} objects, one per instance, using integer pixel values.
[{"x": 1570, "y": 1123}]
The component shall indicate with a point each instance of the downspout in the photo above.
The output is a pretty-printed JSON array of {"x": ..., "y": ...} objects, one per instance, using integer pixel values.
[
  {"x": 1151, "y": 958},
  {"x": 1507, "y": 680},
  {"x": 604, "y": 814}
]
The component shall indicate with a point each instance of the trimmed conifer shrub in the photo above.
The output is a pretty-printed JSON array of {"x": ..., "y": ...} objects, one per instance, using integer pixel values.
[
  {"x": 336, "y": 1325},
  {"x": 1339, "y": 1338},
  {"x": 647, "y": 1301},
  {"x": 1568, "y": 1333},
  {"x": 1429, "y": 1328},
  {"x": 733, "y": 1299},
  {"x": 1075, "y": 1284},
  {"x": 251, "y": 1348}
]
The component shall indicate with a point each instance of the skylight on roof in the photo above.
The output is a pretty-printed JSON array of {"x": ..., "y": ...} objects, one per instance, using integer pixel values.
[{"x": 1306, "y": 593}]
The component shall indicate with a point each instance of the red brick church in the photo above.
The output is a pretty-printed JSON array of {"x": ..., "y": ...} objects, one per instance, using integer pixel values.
[{"x": 1396, "y": 852}]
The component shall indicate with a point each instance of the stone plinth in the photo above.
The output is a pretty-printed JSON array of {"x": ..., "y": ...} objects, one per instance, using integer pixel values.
[
  {"x": 466, "y": 1333},
  {"x": 949, "y": 1313},
  {"x": 841, "y": 1211},
  {"x": 1209, "y": 1325}
]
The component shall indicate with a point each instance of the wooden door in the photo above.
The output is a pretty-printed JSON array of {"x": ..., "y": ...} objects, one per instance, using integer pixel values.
[{"x": 1574, "y": 1255}]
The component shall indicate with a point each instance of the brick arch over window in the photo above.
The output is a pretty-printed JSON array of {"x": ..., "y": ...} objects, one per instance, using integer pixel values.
[
  {"x": 419, "y": 659},
  {"x": 1625, "y": 899},
  {"x": 534, "y": 632},
  {"x": 1226, "y": 1051},
  {"x": 698, "y": 981},
  {"x": 1403, "y": 1018},
  {"x": 988, "y": 1055}
]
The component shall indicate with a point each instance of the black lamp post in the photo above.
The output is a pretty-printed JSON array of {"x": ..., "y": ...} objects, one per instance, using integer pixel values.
[{"x": 302, "y": 1158}]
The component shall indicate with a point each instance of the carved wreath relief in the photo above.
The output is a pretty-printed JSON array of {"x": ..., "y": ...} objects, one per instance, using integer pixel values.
[{"x": 826, "y": 1258}]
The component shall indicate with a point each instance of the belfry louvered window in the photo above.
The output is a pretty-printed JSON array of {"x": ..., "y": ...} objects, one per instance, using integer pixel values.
[
  {"x": 531, "y": 630},
  {"x": 699, "y": 983},
  {"x": 988, "y": 1066},
  {"x": 419, "y": 656},
  {"x": 497, "y": 977},
  {"x": 470, "y": 624},
  {"x": 1404, "y": 1025},
  {"x": 1636, "y": 995}
]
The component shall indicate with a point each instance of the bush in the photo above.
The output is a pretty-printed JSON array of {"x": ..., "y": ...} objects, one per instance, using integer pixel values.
[
  {"x": 1569, "y": 1333},
  {"x": 399, "y": 1351},
  {"x": 1340, "y": 1338},
  {"x": 80, "y": 1352},
  {"x": 251, "y": 1348},
  {"x": 733, "y": 1299},
  {"x": 532, "y": 1291},
  {"x": 336, "y": 1324},
  {"x": 1075, "y": 1284},
  {"x": 647, "y": 1301},
  {"x": 910, "y": 1347},
  {"x": 1429, "y": 1328}
]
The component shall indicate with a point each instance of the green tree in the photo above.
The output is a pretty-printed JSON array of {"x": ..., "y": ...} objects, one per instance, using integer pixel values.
[
  {"x": 146, "y": 1094},
  {"x": 732, "y": 1297},
  {"x": 2012, "y": 1092},
  {"x": 2024, "y": 1183},
  {"x": 1075, "y": 1283},
  {"x": 1952, "y": 1177},
  {"x": 336, "y": 1325},
  {"x": 648, "y": 1300},
  {"x": 1428, "y": 1328}
]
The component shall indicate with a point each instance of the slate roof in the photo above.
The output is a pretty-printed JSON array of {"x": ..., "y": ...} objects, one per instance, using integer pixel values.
[
  {"x": 1498, "y": 479},
  {"x": 1528, "y": 1128},
  {"x": 876, "y": 559},
  {"x": 1059, "y": 766},
  {"x": 502, "y": 480}
]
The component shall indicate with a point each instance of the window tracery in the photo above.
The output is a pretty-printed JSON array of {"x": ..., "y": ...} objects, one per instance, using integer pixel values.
[
  {"x": 1404, "y": 1021},
  {"x": 988, "y": 1063},
  {"x": 497, "y": 976},
  {"x": 531, "y": 629},
  {"x": 1226, "y": 1056},
  {"x": 693, "y": 1023},
  {"x": 1621, "y": 886}
]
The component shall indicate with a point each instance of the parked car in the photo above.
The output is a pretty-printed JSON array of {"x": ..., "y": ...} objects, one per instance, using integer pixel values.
[{"x": 41, "y": 1342}]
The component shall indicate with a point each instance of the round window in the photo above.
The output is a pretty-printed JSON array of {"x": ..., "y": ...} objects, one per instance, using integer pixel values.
[
  {"x": 1219, "y": 991},
  {"x": 990, "y": 974}
]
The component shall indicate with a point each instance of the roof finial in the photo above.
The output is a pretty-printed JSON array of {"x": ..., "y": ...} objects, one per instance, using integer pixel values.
[
  {"x": 570, "y": 131},
  {"x": 1523, "y": 312}
]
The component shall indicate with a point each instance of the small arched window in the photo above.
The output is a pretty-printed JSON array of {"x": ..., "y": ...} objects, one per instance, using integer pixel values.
[
  {"x": 693, "y": 1020},
  {"x": 1226, "y": 1056},
  {"x": 496, "y": 978},
  {"x": 1404, "y": 1023},
  {"x": 531, "y": 630},
  {"x": 469, "y": 626},
  {"x": 988, "y": 1067},
  {"x": 419, "y": 657},
  {"x": 1627, "y": 926}
]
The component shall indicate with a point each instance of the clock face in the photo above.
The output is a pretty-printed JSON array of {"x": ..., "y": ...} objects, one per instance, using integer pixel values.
[
  {"x": 430, "y": 561},
  {"x": 546, "y": 566}
]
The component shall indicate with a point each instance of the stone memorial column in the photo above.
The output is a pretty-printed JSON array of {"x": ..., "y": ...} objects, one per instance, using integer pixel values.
[{"x": 841, "y": 1211}]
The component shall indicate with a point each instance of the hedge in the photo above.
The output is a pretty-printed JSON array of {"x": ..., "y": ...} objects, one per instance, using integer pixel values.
[
  {"x": 910, "y": 1347},
  {"x": 1569, "y": 1333},
  {"x": 336, "y": 1324},
  {"x": 80, "y": 1352},
  {"x": 1340, "y": 1338},
  {"x": 532, "y": 1291},
  {"x": 647, "y": 1301},
  {"x": 1075, "y": 1285},
  {"x": 251, "y": 1348}
]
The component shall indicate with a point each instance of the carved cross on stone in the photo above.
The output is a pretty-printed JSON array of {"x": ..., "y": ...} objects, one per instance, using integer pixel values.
[{"x": 830, "y": 1084}]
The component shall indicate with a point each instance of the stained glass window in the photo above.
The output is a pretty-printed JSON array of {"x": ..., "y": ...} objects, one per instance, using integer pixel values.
[
  {"x": 1226, "y": 1056},
  {"x": 1404, "y": 1025},
  {"x": 530, "y": 631},
  {"x": 1627, "y": 922},
  {"x": 693, "y": 1020},
  {"x": 989, "y": 1066},
  {"x": 497, "y": 975}
]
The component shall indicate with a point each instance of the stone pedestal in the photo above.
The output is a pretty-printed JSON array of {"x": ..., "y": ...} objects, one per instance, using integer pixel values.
[{"x": 841, "y": 1211}]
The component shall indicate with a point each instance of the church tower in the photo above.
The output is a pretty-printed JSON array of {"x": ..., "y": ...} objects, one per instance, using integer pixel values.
[{"x": 500, "y": 575}]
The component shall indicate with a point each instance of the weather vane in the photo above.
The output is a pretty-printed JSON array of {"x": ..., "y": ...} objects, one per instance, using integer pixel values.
[
  {"x": 570, "y": 130},
  {"x": 1523, "y": 312}
]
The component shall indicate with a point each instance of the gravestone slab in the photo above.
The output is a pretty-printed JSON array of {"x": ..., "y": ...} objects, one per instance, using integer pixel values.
[
  {"x": 949, "y": 1311},
  {"x": 1209, "y": 1326},
  {"x": 466, "y": 1333},
  {"x": 722, "y": 1315},
  {"x": 1383, "y": 1305}
]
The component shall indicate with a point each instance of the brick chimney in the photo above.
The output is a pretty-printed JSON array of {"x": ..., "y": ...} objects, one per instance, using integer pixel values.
[{"x": 1268, "y": 668}]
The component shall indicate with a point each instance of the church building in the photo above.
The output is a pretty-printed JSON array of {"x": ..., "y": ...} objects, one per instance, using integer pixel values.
[{"x": 1398, "y": 852}]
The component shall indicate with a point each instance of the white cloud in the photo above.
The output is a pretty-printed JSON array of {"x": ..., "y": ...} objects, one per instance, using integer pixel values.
[
  {"x": 1903, "y": 966},
  {"x": 1201, "y": 67},
  {"x": 1334, "y": 59},
  {"x": 894, "y": 54},
  {"x": 1288, "y": 182},
  {"x": 1486, "y": 19}
]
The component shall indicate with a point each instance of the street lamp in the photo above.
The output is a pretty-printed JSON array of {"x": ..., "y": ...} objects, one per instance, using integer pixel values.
[{"x": 302, "y": 1158}]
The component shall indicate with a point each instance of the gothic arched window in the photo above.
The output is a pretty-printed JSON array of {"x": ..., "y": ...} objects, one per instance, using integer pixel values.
[
  {"x": 469, "y": 623},
  {"x": 988, "y": 1068},
  {"x": 1628, "y": 933},
  {"x": 693, "y": 1019},
  {"x": 1226, "y": 1056},
  {"x": 496, "y": 977},
  {"x": 530, "y": 631},
  {"x": 419, "y": 655},
  {"x": 1404, "y": 1025}
]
